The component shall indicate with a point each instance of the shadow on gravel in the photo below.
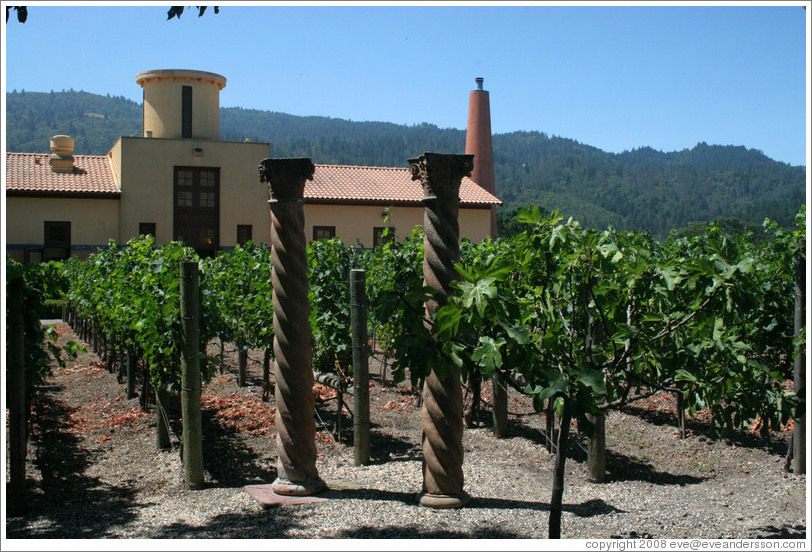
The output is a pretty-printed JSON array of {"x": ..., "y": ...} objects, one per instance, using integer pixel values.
[
  {"x": 744, "y": 439},
  {"x": 618, "y": 466},
  {"x": 67, "y": 503},
  {"x": 416, "y": 532},
  {"x": 576, "y": 450},
  {"x": 266, "y": 524},
  {"x": 595, "y": 507},
  {"x": 782, "y": 532},
  {"x": 590, "y": 508},
  {"x": 229, "y": 460},
  {"x": 626, "y": 468},
  {"x": 518, "y": 428},
  {"x": 386, "y": 448},
  {"x": 383, "y": 446}
]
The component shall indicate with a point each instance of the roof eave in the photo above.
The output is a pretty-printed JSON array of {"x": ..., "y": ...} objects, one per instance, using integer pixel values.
[
  {"x": 62, "y": 194},
  {"x": 399, "y": 202}
]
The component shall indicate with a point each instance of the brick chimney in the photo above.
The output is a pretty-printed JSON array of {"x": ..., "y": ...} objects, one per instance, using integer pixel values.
[
  {"x": 478, "y": 141},
  {"x": 61, "y": 154}
]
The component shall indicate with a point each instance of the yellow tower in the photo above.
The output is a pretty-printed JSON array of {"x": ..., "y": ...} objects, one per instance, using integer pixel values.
[{"x": 180, "y": 103}]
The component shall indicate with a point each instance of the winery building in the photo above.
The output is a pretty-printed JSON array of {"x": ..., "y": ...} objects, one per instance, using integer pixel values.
[{"x": 179, "y": 181}]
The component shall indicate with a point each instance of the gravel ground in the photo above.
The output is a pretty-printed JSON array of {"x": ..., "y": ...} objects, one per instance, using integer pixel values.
[{"x": 94, "y": 472}]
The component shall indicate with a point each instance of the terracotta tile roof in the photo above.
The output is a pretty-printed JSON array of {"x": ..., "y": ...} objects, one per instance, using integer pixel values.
[
  {"x": 31, "y": 174},
  {"x": 354, "y": 184}
]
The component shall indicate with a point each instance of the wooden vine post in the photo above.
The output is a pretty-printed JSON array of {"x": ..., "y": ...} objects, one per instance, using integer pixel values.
[
  {"x": 680, "y": 396},
  {"x": 266, "y": 375},
  {"x": 441, "y": 411},
  {"x": 549, "y": 425},
  {"x": 293, "y": 371},
  {"x": 242, "y": 366},
  {"x": 596, "y": 444},
  {"x": 162, "y": 440},
  {"x": 500, "y": 426},
  {"x": 596, "y": 450},
  {"x": 16, "y": 500},
  {"x": 132, "y": 365},
  {"x": 556, "y": 499},
  {"x": 145, "y": 386},
  {"x": 190, "y": 376},
  {"x": 360, "y": 367},
  {"x": 799, "y": 368}
]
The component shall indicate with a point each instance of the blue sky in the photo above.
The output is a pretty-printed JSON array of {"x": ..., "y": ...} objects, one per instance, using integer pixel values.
[{"x": 614, "y": 77}]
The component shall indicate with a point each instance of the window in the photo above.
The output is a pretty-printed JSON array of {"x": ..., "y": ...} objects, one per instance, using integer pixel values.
[
  {"x": 208, "y": 199},
  {"x": 243, "y": 234},
  {"x": 378, "y": 237},
  {"x": 146, "y": 229},
  {"x": 208, "y": 178},
  {"x": 185, "y": 199},
  {"x": 57, "y": 241},
  {"x": 186, "y": 112},
  {"x": 324, "y": 232},
  {"x": 185, "y": 177},
  {"x": 197, "y": 187},
  {"x": 207, "y": 237}
]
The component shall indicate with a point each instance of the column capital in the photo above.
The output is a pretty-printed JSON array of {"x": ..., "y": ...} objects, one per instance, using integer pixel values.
[
  {"x": 286, "y": 177},
  {"x": 441, "y": 174}
]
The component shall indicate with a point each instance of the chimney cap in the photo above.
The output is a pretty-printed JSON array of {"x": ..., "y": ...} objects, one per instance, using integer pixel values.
[
  {"x": 61, "y": 160},
  {"x": 479, "y": 81},
  {"x": 62, "y": 144}
]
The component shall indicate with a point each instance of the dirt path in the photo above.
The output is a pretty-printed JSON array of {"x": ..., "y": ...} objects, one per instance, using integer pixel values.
[{"x": 94, "y": 471}]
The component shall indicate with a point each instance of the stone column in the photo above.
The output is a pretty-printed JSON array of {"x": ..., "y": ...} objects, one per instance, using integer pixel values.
[
  {"x": 441, "y": 414},
  {"x": 295, "y": 405}
]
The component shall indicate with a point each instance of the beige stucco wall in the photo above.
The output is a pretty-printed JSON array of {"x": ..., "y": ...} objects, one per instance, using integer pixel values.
[
  {"x": 357, "y": 221},
  {"x": 162, "y": 102},
  {"x": 146, "y": 166},
  {"x": 475, "y": 224},
  {"x": 144, "y": 170},
  {"x": 147, "y": 177},
  {"x": 114, "y": 156},
  {"x": 93, "y": 221}
]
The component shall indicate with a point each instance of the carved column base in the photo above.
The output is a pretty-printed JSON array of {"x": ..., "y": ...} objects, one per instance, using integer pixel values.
[
  {"x": 307, "y": 487},
  {"x": 445, "y": 501}
]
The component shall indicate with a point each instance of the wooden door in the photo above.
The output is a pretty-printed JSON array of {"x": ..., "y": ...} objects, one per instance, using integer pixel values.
[{"x": 197, "y": 208}]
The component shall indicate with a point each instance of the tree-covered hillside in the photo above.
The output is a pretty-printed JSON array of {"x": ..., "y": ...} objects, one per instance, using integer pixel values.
[
  {"x": 641, "y": 189},
  {"x": 94, "y": 121}
]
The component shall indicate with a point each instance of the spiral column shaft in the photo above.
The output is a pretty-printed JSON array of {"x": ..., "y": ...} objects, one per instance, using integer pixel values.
[
  {"x": 441, "y": 413},
  {"x": 295, "y": 405}
]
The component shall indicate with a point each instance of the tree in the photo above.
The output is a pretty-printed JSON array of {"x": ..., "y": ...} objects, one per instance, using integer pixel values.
[
  {"x": 593, "y": 320},
  {"x": 174, "y": 11},
  {"x": 22, "y": 13},
  {"x": 508, "y": 224}
]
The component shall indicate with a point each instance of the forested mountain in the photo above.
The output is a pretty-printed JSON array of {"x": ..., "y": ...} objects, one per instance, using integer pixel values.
[
  {"x": 94, "y": 121},
  {"x": 643, "y": 188}
]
